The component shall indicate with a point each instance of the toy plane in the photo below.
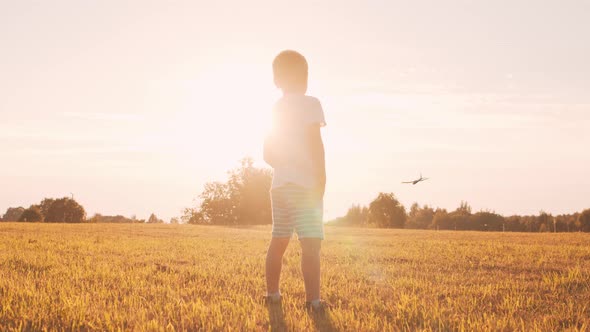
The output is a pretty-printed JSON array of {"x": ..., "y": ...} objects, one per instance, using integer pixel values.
[{"x": 417, "y": 180}]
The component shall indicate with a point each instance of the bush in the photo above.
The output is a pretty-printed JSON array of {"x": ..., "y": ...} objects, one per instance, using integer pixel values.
[{"x": 32, "y": 214}]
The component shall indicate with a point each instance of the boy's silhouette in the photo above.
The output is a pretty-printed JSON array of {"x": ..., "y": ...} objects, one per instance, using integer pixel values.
[{"x": 296, "y": 152}]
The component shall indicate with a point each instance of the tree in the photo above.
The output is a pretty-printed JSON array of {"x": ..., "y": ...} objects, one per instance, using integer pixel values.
[
  {"x": 545, "y": 222},
  {"x": 420, "y": 218},
  {"x": 62, "y": 210},
  {"x": 32, "y": 214},
  {"x": 464, "y": 209},
  {"x": 118, "y": 219},
  {"x": 584, "y": 221},
  {"x": 13, "y": 213},
  {"x": 441, "y": 220},
  {"x": 217, "y": 204},
  {"x": 570, "y": 223},
  {"x": 244, "y": 199},
  {"x": 153, "y": 219},
  {"x": 460, "y": 217},
  {"x": 249, "y": 191},
  {"x": 513, "y": 224},
  {"x": 192, "y": 216},
  {"x": 355, "y": 216},
  {"x": 486, "y": 221},
  {"x": 45, "y": 205},
  {"x": 387, "y": 211},
  {"x": 174, "y": 221}
]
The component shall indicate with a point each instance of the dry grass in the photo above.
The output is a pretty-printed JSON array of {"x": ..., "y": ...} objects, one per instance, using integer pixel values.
[{"x": 181, "y": 277}]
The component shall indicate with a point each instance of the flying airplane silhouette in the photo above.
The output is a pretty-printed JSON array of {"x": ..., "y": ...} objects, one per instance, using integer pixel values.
[{"x": 417, "y": 180}]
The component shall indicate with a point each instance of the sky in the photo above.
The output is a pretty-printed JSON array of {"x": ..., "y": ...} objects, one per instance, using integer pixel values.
[{"x": 132, "y": 106}]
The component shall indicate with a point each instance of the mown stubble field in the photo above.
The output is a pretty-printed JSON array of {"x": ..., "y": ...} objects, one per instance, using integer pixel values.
[{"x": 183, "y": 277}]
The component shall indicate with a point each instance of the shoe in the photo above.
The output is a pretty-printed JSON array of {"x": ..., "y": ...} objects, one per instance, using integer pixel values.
[
  {"x": 272, "y": 300},
  {"x": 319, "y": 309}
]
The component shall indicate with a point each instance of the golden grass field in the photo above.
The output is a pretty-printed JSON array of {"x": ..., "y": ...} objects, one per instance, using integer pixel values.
[{"x": 184, "y": 277}]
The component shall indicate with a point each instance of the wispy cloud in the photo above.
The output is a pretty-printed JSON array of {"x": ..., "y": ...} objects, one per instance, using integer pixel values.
[
  {"x": 28, "y": 134},
  {"x": 462, "y": 110},
  {"x": 80, "y": 150},
  {"x": 96, "y": 116}
]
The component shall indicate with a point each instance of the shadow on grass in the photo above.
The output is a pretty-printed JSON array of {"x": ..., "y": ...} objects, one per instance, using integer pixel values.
[
  {"x": 276, "y": 316},
  {"x": 322, "y": 321}
]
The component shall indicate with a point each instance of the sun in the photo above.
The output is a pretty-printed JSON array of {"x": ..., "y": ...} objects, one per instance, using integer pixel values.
[{"x": 226, "y": 114}]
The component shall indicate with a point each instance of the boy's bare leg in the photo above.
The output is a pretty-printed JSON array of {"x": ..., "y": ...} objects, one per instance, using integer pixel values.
[
  {"x": 310, "y": 266},
  {"x": 274, "y": 262}
]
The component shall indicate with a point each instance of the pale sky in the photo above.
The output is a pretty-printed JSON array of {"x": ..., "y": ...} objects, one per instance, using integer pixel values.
[{"x": 133, "y": 105}]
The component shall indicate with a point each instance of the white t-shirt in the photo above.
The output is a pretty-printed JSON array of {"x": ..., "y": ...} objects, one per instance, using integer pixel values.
[{"x": 293, "y": 115}]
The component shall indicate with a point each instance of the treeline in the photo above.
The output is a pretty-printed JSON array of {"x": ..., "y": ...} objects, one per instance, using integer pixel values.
[
  {"x": 387, "y": 211},
  {"x": 64, "y": 209},
  {"x": 244, "y": 199},
  {"x": 67, "y": 210},
  {"x": 118, "y": 219}
]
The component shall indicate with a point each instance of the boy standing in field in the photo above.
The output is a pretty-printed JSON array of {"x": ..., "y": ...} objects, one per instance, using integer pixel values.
[{"x": 296, "y": 152}]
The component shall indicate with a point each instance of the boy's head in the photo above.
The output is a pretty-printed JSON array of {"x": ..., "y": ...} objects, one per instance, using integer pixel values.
[{"x": 290, "y": 72}]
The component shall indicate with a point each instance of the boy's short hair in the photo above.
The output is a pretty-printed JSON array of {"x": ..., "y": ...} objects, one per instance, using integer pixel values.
[{"x": 290, "y": 71}]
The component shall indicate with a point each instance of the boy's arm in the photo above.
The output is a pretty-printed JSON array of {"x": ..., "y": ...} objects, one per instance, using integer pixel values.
[{"x": 318, "y": 158}]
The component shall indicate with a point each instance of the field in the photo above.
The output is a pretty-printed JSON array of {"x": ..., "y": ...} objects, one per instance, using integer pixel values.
[{"x": 183, "y": 277}]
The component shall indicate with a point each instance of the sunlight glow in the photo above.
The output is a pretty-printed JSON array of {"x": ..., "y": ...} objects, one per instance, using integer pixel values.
[{"x": 224, "y": 116}]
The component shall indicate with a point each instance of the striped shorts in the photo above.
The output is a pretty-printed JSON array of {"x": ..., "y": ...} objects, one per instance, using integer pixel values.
[{"x": 295, "y": 208}]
